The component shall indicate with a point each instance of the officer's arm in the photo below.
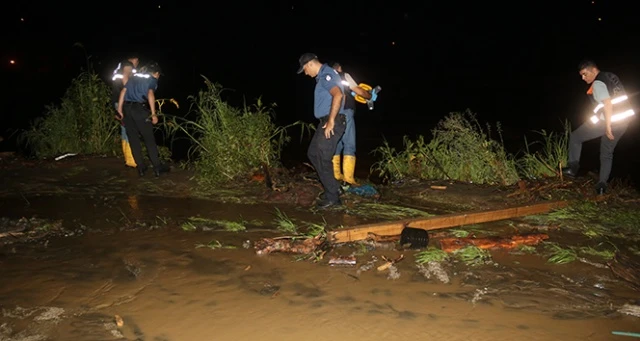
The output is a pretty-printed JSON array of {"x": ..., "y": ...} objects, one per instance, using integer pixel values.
[
  {"x": 121, "y": 101},
  {"x": 336, "y": 102},
  {"x": 151, "y": 96},
  {"x": 353, "y": 85},
  {"x": 127, "y": 71},
  {"x": 608, "y": 111},
  {"x": 360, "y": 91}
]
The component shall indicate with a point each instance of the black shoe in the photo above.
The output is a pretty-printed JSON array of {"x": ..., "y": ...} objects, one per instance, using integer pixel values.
[
  {"x": 569, "y": 172},
  {"x": 324, "y": 204},
  {"x": 141, "y": 170},
  {"x": 601, "y": 188},
  {"x": 160, "y": 169}
]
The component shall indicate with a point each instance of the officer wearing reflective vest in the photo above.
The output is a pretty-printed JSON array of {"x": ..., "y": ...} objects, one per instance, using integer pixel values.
[
  {"x": 608, "y": 120},
  {"x": 137, "y": 108},
  {"x": 347, "y": 144},
  {"x": 120, "y": 77}
]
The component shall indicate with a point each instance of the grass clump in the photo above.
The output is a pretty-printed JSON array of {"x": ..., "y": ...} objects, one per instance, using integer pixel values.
[
  {"x": 82, "y": 123},
  {"x": 545, "y": 157},
  {"x": 230, "y": 142},
  {"x": 594, "y": 219},
  {"x": 431, "y": 254},
  {"x": 460, "y": 149}
]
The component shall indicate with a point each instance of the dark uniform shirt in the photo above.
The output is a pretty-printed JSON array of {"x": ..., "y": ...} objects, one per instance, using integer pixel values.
[
  {"x": 326, "y": 79},
  {"x": 138, "y": 87}
]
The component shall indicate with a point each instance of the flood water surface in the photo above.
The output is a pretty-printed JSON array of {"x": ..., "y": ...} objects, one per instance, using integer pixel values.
[
  {"x": 120, "y": 264},
  {"x": 163, "y": 287}
]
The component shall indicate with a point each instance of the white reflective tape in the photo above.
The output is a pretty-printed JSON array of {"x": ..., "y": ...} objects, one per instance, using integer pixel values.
[
  {"x": 613, "y": 101},
  {"x": 616, "y": 117},
  {"x": 142, "y": 75},
  {"x": 345, "y": 83},
  {"x": 621, "y": 116}
]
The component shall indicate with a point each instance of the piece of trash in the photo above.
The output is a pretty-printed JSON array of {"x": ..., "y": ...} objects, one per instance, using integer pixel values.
[
  {"x": 388, "y": 262},
  {"x": 343, "y": 260},
  {"x": 64, "y": 156},
  {"x": 413, "y": 238},
  {"x": 439, "y": 187},
  {"x": 247, "y": 268},
  {"x": 119, "y": 321},
  {"x": 365, "y": 190},
  {"x": 625, "y": 334}
]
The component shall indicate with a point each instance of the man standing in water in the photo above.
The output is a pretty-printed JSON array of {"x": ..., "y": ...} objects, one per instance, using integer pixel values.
[{"x": 328, "y": 103}]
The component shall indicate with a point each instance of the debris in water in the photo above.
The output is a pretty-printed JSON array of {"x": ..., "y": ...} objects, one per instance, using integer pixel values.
[
  {"x": 119, "y": 321},
  {"x": 630, "y": 309},
  {"x": 368, "y": 266},
  {"x": 393, "y": 272},
  {"x": 342, "y": 260},
  {"x": 65, "y": 156},
  {"x": 266, "y": 246},
  {"x": 453, "y": 244},
  {"x": 389, "y": 262}
]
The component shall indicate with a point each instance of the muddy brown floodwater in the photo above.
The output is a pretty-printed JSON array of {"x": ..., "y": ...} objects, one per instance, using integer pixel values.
[{"x": 125, "y": 270}]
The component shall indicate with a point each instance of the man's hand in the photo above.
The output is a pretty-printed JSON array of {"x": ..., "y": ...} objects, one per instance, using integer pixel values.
[
  {"x": 328, "y": 128},
  {"x": 154, "y": 119},
  {"x": 609, "y": 133}
]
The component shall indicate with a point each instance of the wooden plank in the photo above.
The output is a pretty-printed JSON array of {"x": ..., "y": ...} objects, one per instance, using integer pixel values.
[{"x": 361, "y": 232}]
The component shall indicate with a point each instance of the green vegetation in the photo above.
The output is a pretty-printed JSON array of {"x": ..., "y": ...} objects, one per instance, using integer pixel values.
[
  {"x": 593, "y": 219},
  {"x": 229, "y": 142},
  {"x": 552, "y": 155},
  {"x": 461, "y": 149},
  {"x": 82, "y": 123}
]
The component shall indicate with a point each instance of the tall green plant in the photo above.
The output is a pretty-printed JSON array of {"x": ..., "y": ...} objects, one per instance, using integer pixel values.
[
  {"x": 229, "y": 142},
  {"x": 545, "y": 157},
  {"x": 460, "y": 149},
  {"x": 82, "y": 123}
]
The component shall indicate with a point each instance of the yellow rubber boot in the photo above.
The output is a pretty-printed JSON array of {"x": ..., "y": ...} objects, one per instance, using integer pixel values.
[
  {"x": 337, "y": 170},
  {"x": 128, "y": 156},
  {"x": 349, "y": 166}
]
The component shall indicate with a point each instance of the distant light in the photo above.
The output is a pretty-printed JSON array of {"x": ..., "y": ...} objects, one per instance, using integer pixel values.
[
  {"x": 593, "y": 2},
  {"x": 158, "y": 6},
  {"x": 292, "y": 7},
  {"x": 21, "y": 19},
  {"x": 393, "y": 43},
  {"x": 12, "y": 61},
  {"x": 599, "y": 19}
]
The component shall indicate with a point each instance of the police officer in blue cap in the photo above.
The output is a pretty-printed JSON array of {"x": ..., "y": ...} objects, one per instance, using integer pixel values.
[
  {"x": 328, "y": 103},
  {"x": 137, "y": 108}
]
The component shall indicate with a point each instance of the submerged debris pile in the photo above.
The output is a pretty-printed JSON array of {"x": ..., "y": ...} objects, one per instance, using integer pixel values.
[{"x": 28, "y": 229}]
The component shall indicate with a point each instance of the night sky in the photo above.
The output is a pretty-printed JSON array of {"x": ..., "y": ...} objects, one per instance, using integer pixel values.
[{"x": 514, "y": 62}]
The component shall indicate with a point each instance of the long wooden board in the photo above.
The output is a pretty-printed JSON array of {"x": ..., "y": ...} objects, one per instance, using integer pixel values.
[{"x": 360, "y": 232}]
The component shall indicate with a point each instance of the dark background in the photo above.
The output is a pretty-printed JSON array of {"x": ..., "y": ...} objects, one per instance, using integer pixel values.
[{"x": 512, "y": 62}]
